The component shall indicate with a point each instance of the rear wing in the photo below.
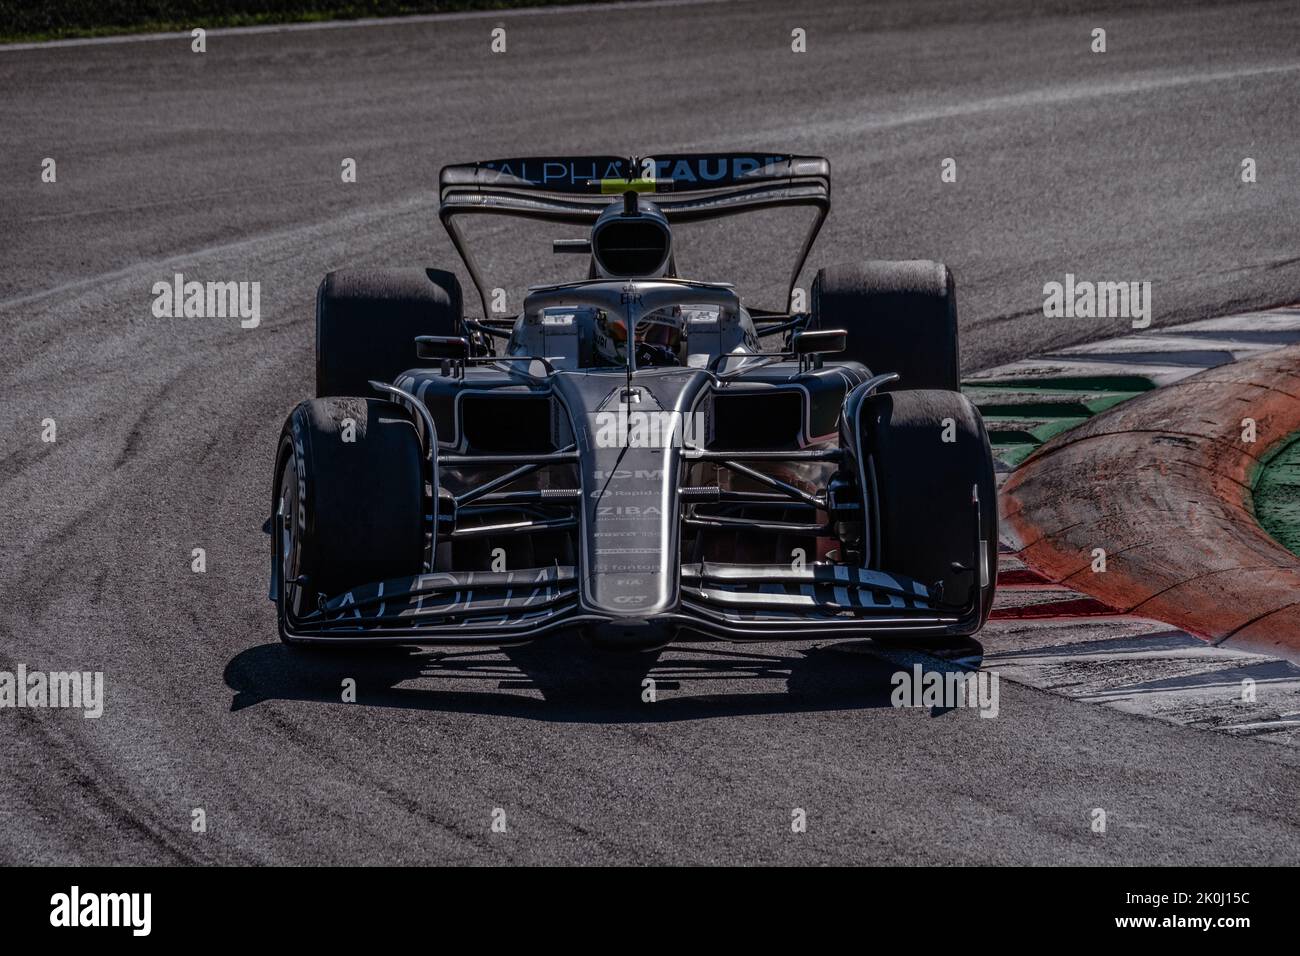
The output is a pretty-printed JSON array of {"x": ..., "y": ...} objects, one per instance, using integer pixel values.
[{"x": 687, "y": 187}]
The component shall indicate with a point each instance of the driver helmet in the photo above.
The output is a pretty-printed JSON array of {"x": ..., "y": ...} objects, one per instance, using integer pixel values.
[{"x": 661, "y": 328}]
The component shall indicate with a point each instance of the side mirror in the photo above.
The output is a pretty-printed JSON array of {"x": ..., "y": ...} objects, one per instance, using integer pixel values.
[
  {"x": 441, "y": 347},
  {"x": 820, "y": 342}
]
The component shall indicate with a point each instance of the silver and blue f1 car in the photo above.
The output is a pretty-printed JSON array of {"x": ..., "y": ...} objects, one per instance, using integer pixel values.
[{"x": 636, "y": 454}]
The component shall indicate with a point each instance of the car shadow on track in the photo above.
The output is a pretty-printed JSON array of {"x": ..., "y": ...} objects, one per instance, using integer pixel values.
[{"x": 563, "y": 679}]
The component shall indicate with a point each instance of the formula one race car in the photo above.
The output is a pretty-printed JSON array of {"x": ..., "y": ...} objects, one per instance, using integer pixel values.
[{"x": 623, "y": 457}]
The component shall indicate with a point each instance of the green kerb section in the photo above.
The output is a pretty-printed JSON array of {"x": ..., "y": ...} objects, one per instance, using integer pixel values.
[
  {"x": 1022, "y": 414},
  {"x": 1276, "y": 492}
]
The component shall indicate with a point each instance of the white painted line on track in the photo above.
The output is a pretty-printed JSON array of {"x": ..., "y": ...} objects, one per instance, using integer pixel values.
[{"x": 423, "y": 203}]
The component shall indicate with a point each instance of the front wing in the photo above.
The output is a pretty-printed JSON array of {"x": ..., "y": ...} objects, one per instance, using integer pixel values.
[{"x": 724, "y": 601}]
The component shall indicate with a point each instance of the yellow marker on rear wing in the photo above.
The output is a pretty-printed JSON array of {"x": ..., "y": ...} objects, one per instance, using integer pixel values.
[{"x": 616, "y": 186}]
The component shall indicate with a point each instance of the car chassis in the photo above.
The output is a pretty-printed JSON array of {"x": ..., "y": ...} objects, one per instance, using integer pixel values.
[{"x": 637, "y": 575}]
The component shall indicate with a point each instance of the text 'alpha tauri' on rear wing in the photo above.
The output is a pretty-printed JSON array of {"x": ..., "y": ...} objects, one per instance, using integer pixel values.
[{"x": 687, "y": 187}]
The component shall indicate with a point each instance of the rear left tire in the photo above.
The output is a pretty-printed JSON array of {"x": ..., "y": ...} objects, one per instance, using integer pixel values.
[{"x": 900, "y": 317}]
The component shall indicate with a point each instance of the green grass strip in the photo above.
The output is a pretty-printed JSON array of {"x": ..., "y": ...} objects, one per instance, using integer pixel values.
[
  {"x": 1276, "y": 493},
  {"x": 25, "y": 21}
]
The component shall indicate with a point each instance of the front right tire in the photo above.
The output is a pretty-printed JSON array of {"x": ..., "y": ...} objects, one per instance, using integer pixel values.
[{"x": 930, "y": 452}]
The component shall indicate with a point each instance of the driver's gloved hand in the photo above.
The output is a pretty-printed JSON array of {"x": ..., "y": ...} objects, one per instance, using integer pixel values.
[{"x": 650, "y": 355}]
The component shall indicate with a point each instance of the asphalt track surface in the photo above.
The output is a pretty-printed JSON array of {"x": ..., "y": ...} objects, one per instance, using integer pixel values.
[{"x": 226, "y": 166}]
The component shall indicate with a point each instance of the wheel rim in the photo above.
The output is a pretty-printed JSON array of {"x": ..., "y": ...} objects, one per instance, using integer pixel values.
[{"x": 289, "y": 537}]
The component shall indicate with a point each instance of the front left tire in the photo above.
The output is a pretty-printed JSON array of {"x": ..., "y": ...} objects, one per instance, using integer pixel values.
[{"x": 348, "y": 500}]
